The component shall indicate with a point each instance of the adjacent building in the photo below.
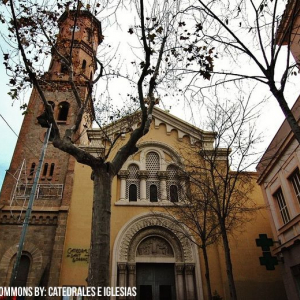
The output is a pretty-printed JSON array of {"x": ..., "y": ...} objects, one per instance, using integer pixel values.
[
  {"x": 279, "y": 175},
  {"x": 279, "y": 178}
]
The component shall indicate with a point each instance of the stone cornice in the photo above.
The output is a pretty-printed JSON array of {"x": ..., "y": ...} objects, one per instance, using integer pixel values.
[
  {"x": 87, "y": 14},
  {"x": 143, "y": 174},
  {"x": 285, "y": 23},
  {"x": 183, "y": 128},
  {"x": 168, "y": 148},
  {"x": 161, "y": 117},
  {"x": 121, "y": 125},
  {"x": 35, "y": 219},
  {"x": 162, "y": 174},
  {"x": 123, "y": 173},
  {"x": 159, "y": 225},
  {"x": 7, "y": 208}
]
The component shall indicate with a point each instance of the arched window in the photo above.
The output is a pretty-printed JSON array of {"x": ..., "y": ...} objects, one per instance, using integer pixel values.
[
  {"x": 132, "y": 183},
  {"x": 173, "y": 193},
  {"x": 32, "y": 168},
  {"x": 173, "y": 183},
  {"x": 83, "y": 64},
  {"x": 45, "y": 169},
  {"x": 63, "y": 68},
  {"x": 51, "y": 169},
  {"x": 132, "y": 192},
  {"x": 153, "y": 193},
  {"x": 23, "y": 271},
  {"x": 153, "y": 166},
  {"x": 133, "y": 170},
  {"x": 89, "y": 34},
  {"x": 63, "y": 111}
]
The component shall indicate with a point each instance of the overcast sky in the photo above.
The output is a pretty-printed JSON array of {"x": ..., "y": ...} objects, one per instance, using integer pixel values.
[{"x": 271, "y": 119}]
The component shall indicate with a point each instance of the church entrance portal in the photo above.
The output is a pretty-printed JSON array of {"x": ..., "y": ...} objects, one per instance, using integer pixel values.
[
  {"x": 155, "y": 281},
  {"x": 153, "y": 255}
]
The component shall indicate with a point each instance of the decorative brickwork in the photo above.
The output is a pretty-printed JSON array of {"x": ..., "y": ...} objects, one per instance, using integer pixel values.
[
  {"x": 45, "y": 236},
  {"x": 35, "y": 219},
  {"x": 159, "y": 225}
]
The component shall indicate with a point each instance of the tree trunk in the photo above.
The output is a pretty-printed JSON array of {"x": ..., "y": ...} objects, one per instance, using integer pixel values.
[
  {"x": 229, "y": 271},
  {"x": 100, "y": 238},
  {"x": 207, "y": 274},
  {"x": 290, "y": 118}
]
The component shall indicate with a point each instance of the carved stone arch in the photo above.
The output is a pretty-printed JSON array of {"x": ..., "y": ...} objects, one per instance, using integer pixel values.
[
  {"x": 148, "y": 146},
  {"x": 156, "y": 231},
  {"x": 154, "y": 246},
  {"x": 35, "y": 271},
  {"x": 162, "y": 224},
  {"x": 172, "y": 164},
  {"x": 182, "y": 253},
  {"x": 159, "y": 146},
  {"x": 133, "y": 163},
  {"x": 129, "y": 162}
]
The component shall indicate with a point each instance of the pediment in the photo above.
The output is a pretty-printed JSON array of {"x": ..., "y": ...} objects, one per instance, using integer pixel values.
[
  {"x": 183, "y": 128},
  {"x": 171, "y": 123}
]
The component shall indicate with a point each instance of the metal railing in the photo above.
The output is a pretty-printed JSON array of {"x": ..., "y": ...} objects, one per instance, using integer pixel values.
[{"x": 43, "y": 191}]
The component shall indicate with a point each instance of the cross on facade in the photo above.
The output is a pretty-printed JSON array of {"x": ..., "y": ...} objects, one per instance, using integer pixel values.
[
  {"x": 268, "y": 260},
  {"x": 264, "y": 242}
]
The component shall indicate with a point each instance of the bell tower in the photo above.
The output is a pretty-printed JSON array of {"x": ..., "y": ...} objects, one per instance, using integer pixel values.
[
  {"x": 77, "y": 41},
  {"x": 79, "y": 37}
]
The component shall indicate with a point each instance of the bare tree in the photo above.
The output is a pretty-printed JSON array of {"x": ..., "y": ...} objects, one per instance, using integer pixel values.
[
  {"x": 195, "y": 216},
  {"x": 218, "y": 198},
  {"x": 32, "y": 28},
  {"x": 250, "y": 41}
]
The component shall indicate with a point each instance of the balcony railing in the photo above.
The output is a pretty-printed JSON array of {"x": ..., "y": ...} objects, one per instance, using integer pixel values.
[{"x": 43, "y": 191}]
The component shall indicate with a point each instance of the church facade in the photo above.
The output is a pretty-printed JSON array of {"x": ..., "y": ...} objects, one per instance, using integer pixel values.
[{"x": 148, "y": 249}]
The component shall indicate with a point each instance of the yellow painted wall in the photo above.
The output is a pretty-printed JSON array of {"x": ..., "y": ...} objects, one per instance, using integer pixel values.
[
  {"x": 78, "y": 227},
  {"x": 245, "y": 255}
]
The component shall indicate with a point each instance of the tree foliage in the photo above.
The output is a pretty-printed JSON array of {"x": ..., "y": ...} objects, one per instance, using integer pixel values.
[
  {"x": 34, "y": 36},
  {"x": 251, "y": 41}
]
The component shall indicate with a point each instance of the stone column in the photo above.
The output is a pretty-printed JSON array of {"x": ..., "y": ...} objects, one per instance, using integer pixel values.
[
  {"x": 179, "y": 281},
  {"x": 122, "y": 277},
  {"x": 163, "y": 175},
  {"x": 189, "y": 281},
  {"x": 123, "y": 174},
  {"x": 143, "y": 175},
  {"x": 131, "y": 277}
]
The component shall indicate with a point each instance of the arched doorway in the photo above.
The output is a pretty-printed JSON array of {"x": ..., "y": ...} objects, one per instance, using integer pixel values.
[
  {"x": 23, "y": 271},
  {"x": 34, "y": 265},
  {"x": 150, "y": 253},
  {"x": 155, "y": 279}
]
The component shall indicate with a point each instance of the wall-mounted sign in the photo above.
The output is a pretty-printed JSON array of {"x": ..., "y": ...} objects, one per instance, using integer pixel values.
[
  {"x": 267, "y": 259},
  {"x": 78, "y": 254}
]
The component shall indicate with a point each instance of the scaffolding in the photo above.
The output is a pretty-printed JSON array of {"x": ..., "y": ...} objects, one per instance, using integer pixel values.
[{"x": 22, "y": 189}]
